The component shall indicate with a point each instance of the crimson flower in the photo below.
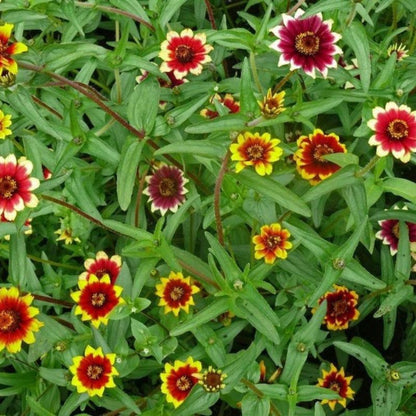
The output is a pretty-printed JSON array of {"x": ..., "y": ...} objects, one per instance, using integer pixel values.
[
  {"x": 306, "y": 43},
  {"x": 228, "y": 102},
  {"x": 7, "y": 64},
  {"x": 101, "y": 266}
]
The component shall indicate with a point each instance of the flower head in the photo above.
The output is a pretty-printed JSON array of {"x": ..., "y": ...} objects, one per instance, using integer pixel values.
[
  {"x": 176, "y": 292},
  {"x": 7, "y": 79},
  {"x": 340, "y": 309},
  {"x": 17, "y": 322},
  {"x": 185, "y": 52},
  {"x": 228, "y": 102},
  {"x": 96, "y": 299},
  {"x": 395, "y": 131},
  {"x": 101, "y": 266},
  {"x": 400, "y": 49},
  {"x": 336, "y": 381},
  {"x": 309, "y": 157},
  {"x": 255, "y": 150},
  {"x": 16, "y": 186},
  {"x": 178, "y": 380},
  {"x": 272, "y": 104},
  {"x": 66, "y": 235},
  {"x": 5, "y": 121},
  {"x": 272, "y": 243},
  {"x": 93, "y": 371},
  {"x": 212, "y": 380},
  {"x": 306, "y": 43},
  {"x": 166, "y": 189},
  {"x": 7, "y": 63}
]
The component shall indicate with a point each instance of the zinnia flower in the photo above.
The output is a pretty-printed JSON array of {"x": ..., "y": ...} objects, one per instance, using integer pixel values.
[
  {"x": 184, "y": 53},
  {"x": 93, "y": 371},
  {"x": 272, "y": 104},
  {"x": 400, "y": 49},
  {"x": 179, "y": 379},
  {"x": 340, "y": 309},
  {"x": 395, "y": 131},
  {"x": 16, "y": 186},
  {"x": 17, "y": 322},
  {"x": 336, "y": 381},
  {"x": 101, "y": 266},
  {"x": 212, "y": 380},
  {"x": 96, "y": 299},
  {"x": 306, "y": 43},
  {"x": 309, "y": 161},
  {"x": 271, "y": 243},
  {"x": 228, "y": 101},
  {"x": 66, "y": 235},
  {"x": 7, "y": 63},
  {"x": 5, "y": 121},
  {"x": 166, "y": 189},
  {"x": 7, "y": 79},
  {"x": 255, "y": 150},
  {"x": 176, "y": 293}
]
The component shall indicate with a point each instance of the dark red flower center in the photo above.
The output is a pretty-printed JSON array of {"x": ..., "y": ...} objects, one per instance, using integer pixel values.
[
  {"x": 8, "y": 187},
  {"x": 334, "y": 385},
  {"x": 177, "y": 293},
  {"x": 340, "y": 307},
  {"x": 212, "y": 381},
  {"x": 94, "y": 371},
  {"x": 396, "y": 230},
  {"x": 9, "y": 320},
  {"x": 184, "y": 54},
  {"x": 307, "y": 43},
  {"x": 101, "y": 272},
  {"x": 272, "y": 241},
  {"x": 322, "y": 150},
  {"x": 397, "y": 129},
  {"x": 184, "y": 383},
  {"x": 255, "y": 152},
  {"x": 98, "y": 299},
  {"x": 168, "y": 187}
]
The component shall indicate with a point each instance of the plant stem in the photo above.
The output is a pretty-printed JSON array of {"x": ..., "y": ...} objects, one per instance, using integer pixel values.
[
  {"x": 48, "y": 299},
  {"x": 197, "y": 273},
  {"x": 53, "y": 263},
  {"x": 283, "y": 81},
  {"x": 368, "y": 166},
  {"x": 139, "y": 197},
  {"x": 260, "y": 395},
  {"x": 44, "y": 105},
  {"x": 296, "y": 6},
  {"x": 253, "y": 66},
  {"x": 351, "y": 16},
  {"x": 210, "y": 14}
]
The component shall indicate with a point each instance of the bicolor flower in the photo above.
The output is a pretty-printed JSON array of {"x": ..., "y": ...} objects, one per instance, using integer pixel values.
[
  {"x": 93, "y": 372},
  {"x": 272, "y": 104},
  {"x": 166, "y": 189},
  {"x": 185, "y": 52},
  {"x": 259, "y": 151},
  {"x": 394, "y": 131},
  {"x": 176, "y": 292},
  {"x": 66, "y": 235},
  {"x": 309, "y": 157},
  {"x": 17, "y": 322},
  {"x": 336, "y": 381},
  {"x": 102, "y": 265},
  {"x": 271, "y": 243},
  {"x": 16, "y": 186},
  {"x": 178, "y": 380},
  {"x": 96, "y": 299},
  {"x": 212, "y": 380},
  {"x": 5, "y": 122},
  {"x": 7, "y": 49},
  {"x": 306, "y": 43},
  {"x": 228, "y": 101},
  {"x": 400, "y": 49}
]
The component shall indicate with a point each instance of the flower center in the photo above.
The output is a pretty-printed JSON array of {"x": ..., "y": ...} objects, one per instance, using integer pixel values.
[
  {"x": 168, "y": 187},
  {"x": 9, "y": 320},
  {"x": 272, "y": 241},
  {"x": 397, "y": 129},
  {"x": 184, "y": 54},
  {"x": 396, "y": 230},
  {"x": 212, "y": 381},
  {"x": 184, "y": 383},
  {"x": 255, "y": 152},
  {"x": 334, "y": 385},
  {"x": 322, "y": 150},
  {"x": 101, "y": 272},
  {"x": 98, "y": 299},
  {"x": 94, "y": 371},
  {"x": 340, "y": 307},
  {"x": 176, "y": 293},
  {"x": 307, "y": 43},
  {"x": 8, "y": 187}
]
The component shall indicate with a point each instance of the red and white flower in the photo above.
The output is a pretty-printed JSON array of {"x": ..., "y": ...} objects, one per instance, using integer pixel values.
[
  {"x": 306, "y": 43},
  {"x": 101, "y": 266}
]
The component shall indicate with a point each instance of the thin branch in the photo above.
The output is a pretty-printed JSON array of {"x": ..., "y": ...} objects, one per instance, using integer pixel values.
[
  {"x": 48, "y": 299},
  {"x": 197, "y": 273},
  {"x": 44, "y": 105},
  {"x": 139, "y": 197},
  {"x": 210, "y": 14}
]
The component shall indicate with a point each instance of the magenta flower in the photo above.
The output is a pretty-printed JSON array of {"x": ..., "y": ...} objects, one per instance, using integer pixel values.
[
  {"x": 395, "y": 131},
  {"x": 166, "y": 189},
  {"x": 306, "y": 43},
  {"x": 389, "y": 233}
]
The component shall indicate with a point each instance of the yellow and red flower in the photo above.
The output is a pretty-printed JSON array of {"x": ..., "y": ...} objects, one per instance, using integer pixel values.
[
  {"x": 336, "y": 381},
  {"x": 272, "y": 243},
  {"x": 395, "y": 131},
  {"x": 309, "y": 157},
  {"x": 176, "y": 292},
  {"x": 400, "y": 49},
  {"x": 17, "y": 322},
  {"x": 272, "y": 104},
  {"x": 16, "y": 186},
  {"x": 228, "y": 101},
  {"x": 340, "y": 309},
  {"x": 212, "y": 380},
  {"x": 255, "y": 150},
  {"x": 96, "y": 299},
  {"x": 66, "y": 235},
  {"x": 5, "y": 122},
  {"x": 178, "y": 380},
  {"x": 7, "y": 63},
  {"x": 101, "y": 266},
  {"x": 93, "y": 371},
  {"x": 185, "y": 52},
  {"x": 306, "y": 43}
]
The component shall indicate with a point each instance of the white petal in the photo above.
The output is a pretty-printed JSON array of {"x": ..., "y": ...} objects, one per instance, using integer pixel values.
[
  {"x": 11, "y": 159},
  {"x": 381, "y": 152},
  {"x": 372, "y": 124},
  {"x": 33, "y": 201},
  {"x": 275, "y": 30},
  {"x": 373, "y": 141},
  {"x": 391, "y": 105},
  {"x": 299, "y": 12},
  {"x": 34, "y": 183}
]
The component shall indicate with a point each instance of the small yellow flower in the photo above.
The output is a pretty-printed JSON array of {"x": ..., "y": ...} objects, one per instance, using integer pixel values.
[
  {"x": 272, "y": 104},
  {"x": 66, "y": 235},
  {"x": 5, "y": 121}
]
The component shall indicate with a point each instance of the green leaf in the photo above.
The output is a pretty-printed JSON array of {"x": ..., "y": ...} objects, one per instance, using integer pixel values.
[
  {"x": 401, "y": 187},
  {"x": 327, "y": 5},
  {"x": 274, "y": 391},
  {"x": 355, "y": 273},
  {"x": 72, "y": 402},
  {"x": 37, "y": 408},
  {"x": 124, "y": 399},
  {"x": 248, "y": 102},
  {"x": 128, "y": 230},
  {"x": 254, "y": 405},
  {"x": 197, "y": 401},
  {"x": 309, "y": 393},
  {"x": 403, "y": 258},
  {"x": 342, "y": 159},
  {"x": 226, "y": 123},
  {"x": 398, "y": 295},
  {"x": 203, "y": 148},
  {"x": 169, "y": 9},
  {"x": 315, "y": 107},
  {"x": 131, "y": 6},
  {"x": 17, "y": 260},
  {"x": 212, "y": 344},
  {"x": 385, "y": 77},
  {"x": 18, "y": 379},
  {"x": 56, "y": 376},
  {"x": 385, "y": 397},
  {"x": 181, "y": 113}
]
